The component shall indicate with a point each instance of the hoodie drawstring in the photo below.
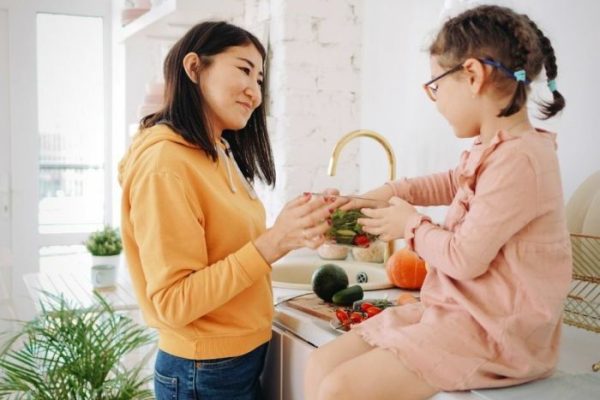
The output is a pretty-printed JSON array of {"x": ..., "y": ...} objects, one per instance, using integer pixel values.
[
  {"x": 228, "y": 168},
  {"x": 227, "y": 154}
]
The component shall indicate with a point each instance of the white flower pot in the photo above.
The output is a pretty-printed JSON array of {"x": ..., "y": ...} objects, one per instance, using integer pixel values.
[
  {"x": 103, "y": 276},
  {"x": 107, "y": 260},
  {"x": 104, "y": 271}
]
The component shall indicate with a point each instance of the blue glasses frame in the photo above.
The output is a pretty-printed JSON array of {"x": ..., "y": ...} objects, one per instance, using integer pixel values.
[{"x": 432, "y": 90}]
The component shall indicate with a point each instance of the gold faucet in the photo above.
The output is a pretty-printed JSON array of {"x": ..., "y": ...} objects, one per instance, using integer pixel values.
[{"x": 386, "y": 146}]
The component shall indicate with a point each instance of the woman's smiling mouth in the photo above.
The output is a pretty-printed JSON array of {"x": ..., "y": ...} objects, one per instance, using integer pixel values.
[{"x": 247, "y": 106}]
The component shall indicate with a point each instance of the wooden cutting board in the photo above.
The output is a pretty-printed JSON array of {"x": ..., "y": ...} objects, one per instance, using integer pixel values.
[{"x": 314, "y": 306}]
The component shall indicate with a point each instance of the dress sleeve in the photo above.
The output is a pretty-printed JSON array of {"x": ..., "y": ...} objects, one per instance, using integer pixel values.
[
  {"x": 503, "y": 203},
  {"x": 169, "y": 231},
  {"x": 430, "y": 190}
]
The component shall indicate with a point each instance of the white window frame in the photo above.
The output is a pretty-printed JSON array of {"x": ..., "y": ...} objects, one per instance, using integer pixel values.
[{"x": 24, "y": 136}]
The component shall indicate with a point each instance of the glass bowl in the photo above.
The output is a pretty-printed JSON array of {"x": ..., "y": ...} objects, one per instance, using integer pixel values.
[
  {"x": 330, "y": 251},
  {"x": 373, "y": 254}
]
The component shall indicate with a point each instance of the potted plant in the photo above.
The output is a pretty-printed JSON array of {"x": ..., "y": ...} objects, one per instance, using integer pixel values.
[
  {"x": 105, "y": 246},
  {"x": 70, "y": 353}
]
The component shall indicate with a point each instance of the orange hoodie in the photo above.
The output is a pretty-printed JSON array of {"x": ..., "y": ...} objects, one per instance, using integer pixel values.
[{"x": 187, "y": 224}]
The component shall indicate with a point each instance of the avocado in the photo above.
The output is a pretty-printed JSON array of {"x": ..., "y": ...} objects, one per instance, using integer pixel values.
[
  {"x": 327, "y": 280},
  {"x": 348, "y": 296}
]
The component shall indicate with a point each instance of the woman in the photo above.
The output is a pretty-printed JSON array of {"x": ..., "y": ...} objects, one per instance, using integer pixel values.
[{"x": 193, "y": 230}]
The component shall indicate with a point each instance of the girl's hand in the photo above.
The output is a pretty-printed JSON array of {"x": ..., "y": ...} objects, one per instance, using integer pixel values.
[
  {"x": 301, "y": 223},
  {"x": 389, "y": 223}
]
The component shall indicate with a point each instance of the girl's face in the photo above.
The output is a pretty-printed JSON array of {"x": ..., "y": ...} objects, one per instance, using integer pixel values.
[
  {"x": 455, "y": 101},
  {"x": 231, "y": 87}
]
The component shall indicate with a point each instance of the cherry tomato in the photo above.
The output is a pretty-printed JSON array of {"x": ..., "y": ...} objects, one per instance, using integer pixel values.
[
  {"x": 361, "y": 240},
  {"x": 342, "y": 316},
  {"x": 372, "y": 311},
  {"x": 364, "y": 306},
  {"x": 356, "y": 317}
]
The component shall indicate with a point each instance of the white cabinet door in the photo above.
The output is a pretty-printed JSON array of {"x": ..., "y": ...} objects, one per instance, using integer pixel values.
[
  {"x": 283, "y": 375},
  {"x": 295, "y": 353}
]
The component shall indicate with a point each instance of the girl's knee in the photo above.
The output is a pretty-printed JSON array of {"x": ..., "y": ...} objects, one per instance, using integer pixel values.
[{"x": 334, "y": 386}]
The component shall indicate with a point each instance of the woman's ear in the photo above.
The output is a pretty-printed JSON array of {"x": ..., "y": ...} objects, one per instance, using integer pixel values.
[
  {"x": 191, "y": 64},
  {"x": 476, "y": 74}
]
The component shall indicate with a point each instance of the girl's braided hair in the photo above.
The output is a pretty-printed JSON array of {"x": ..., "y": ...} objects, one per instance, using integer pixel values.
[{"x": 513, "y": 40}]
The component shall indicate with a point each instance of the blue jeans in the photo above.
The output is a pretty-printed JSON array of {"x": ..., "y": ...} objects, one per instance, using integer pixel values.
[{"x": 231, "y": 378}]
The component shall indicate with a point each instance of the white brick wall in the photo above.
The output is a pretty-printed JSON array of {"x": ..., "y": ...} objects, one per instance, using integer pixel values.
[{"x": 314, "y": 83}]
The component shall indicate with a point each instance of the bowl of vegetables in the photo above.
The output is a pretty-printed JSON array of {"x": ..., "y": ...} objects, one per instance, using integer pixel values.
[
  {"x": 345, "y": 230},
  {"x": 361, "y": 310}
]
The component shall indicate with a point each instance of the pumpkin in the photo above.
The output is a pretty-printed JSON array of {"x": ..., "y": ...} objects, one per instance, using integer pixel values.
[{"x": 406, "y": 269}]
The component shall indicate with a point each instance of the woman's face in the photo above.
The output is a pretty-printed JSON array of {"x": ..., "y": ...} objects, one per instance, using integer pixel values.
[
  {"x": 231, "y": 87},
  {"x": 455, "y": 101}
]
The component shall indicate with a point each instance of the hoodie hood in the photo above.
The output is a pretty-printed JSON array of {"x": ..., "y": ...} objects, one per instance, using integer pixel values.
[{"x": 144, "y": 139}]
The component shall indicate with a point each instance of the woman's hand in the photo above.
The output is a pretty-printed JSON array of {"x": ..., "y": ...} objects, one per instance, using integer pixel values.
[
  {"x": 389, "y": 223},
  {"x": 301, "y": 223},
  {"x": 381, "y": 195}
]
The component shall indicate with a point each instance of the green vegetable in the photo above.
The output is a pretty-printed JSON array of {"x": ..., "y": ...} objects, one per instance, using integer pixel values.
[
  {"x": 381, "y": 303},
  {"x": 345, "y": 230},
  {"x": 348, "y": 296},
  {"x": 329, "y": 279}
]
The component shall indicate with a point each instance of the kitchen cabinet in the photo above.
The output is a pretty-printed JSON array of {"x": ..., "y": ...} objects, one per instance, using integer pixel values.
[
  {"x": 295, "y": 358},
  {"x": 283, "y": 376}
]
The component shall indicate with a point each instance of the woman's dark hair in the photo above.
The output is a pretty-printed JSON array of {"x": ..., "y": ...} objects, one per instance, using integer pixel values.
[
  {"x": 183, "y": 107},
  {"x": 502, "y": 35}
]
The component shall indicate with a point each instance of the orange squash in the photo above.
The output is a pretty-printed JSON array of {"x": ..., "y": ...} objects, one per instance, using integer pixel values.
[{"x": 406, "y": 269}]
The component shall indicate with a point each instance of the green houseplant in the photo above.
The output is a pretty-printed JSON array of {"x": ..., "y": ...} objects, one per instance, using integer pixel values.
[
  {"x": 69, "y": 353},
  {"x": 105, "y": 246},
  {"x": 106, "y": 242}
]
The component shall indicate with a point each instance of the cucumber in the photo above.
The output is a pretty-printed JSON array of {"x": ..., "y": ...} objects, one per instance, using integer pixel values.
[
  {"x": 345, "y": 232},
  {"x": 348, "y": 296}
]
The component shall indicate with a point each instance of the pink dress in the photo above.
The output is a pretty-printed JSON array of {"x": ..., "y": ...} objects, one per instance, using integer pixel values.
[{"x": 500, "y": 269}]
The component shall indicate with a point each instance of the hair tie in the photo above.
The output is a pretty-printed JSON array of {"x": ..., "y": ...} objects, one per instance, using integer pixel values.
[
  {"x": 520, "y": 75},
  {"x": 552, "y": 85}
]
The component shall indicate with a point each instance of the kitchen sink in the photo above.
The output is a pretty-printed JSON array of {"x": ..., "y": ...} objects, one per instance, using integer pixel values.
[{"x": 295, "y": 272}]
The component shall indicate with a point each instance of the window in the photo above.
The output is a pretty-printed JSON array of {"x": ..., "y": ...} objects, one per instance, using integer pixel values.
[{"x": 70, "y": 79}]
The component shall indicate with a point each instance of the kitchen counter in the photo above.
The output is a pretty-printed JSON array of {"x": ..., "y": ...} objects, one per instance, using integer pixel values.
[{"x": 579, "y": 348}]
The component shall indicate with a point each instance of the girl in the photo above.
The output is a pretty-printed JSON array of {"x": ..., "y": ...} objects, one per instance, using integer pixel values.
[
  {"x": 500, "y": 265},
  {"x": 193, "y": 230}
]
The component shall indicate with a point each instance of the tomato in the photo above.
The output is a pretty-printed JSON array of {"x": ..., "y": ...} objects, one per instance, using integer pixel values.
[
  {"x": 356, "y": 317},
  {"x": 342, "y": 316},
  {"x": 361, "y": 240},
  {"x": 371, "y": 311},
  {"x": 364, "y": 306}
]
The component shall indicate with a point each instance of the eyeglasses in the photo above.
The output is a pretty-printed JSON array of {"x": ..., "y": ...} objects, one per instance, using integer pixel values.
[{"x": 431, "y": 87}]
